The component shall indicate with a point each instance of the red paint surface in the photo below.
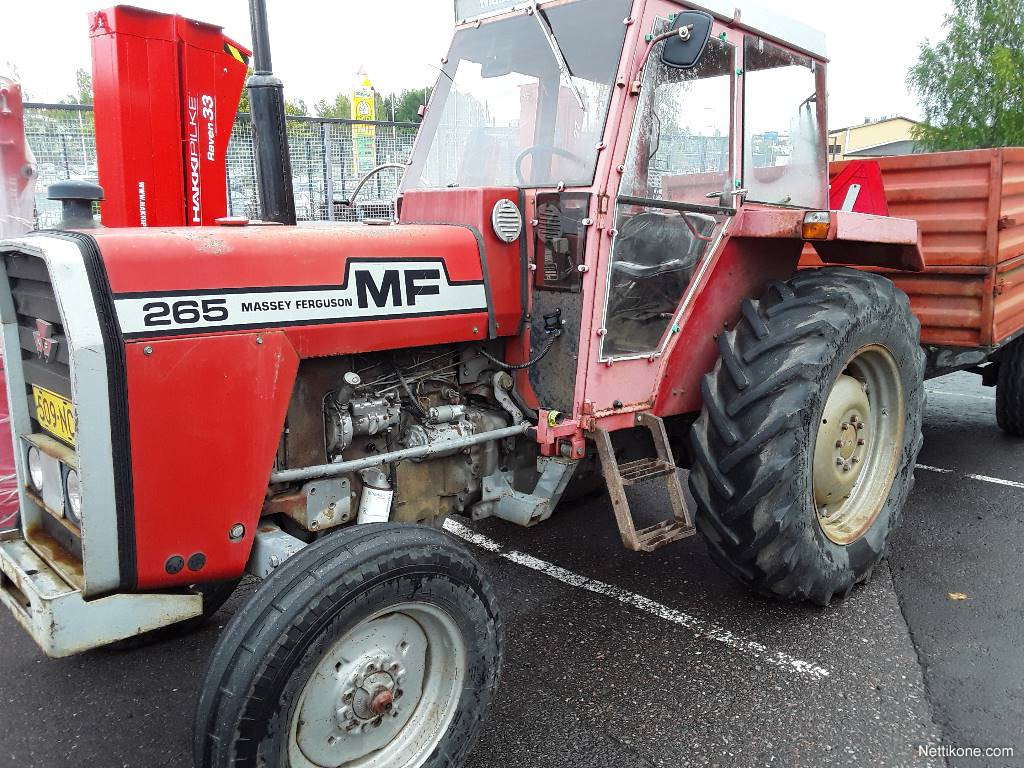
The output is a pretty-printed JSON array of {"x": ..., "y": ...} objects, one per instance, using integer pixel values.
[
  {"x": 256, "y": 256},
  {"x": 473, "y": 207},
  {"x": 206, "y": 418},
  {"x": 150, "y": 74},
  {"x": 970, "y": 210},
  {"x": 15, "y": 172},
  {"x": 743, "y": 269},
  {"x": 871, "y": 196},
  {"x": 8, "y": 480},
  {"x": 206, "y": 411}
]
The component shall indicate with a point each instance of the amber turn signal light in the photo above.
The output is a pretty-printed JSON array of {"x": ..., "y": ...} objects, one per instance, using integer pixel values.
[{"x": 816, "y": 224}]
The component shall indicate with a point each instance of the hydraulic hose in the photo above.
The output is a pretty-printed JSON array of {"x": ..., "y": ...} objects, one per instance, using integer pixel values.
[{"x": 550, "y": 342}]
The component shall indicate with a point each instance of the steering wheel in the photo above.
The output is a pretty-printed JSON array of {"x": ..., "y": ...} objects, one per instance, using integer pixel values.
[{"x": 549, "y": 150}]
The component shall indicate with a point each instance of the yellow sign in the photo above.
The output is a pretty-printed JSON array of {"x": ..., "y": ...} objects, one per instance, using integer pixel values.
[
  {"x": 364, "y": 137},
  {"x": 55, "y": 414}
]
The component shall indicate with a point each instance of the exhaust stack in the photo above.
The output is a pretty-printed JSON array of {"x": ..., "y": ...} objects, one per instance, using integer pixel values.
[{"x": 270, "y": 137}]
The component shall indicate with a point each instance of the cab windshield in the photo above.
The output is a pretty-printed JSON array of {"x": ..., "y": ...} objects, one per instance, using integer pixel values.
[{"x": 504, "y": 113}]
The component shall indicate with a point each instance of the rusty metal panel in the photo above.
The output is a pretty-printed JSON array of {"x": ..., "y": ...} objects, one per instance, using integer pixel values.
[
  {"x": 1009, "y": 305},
  {"x": 970, "y": 208},
  {"x": 949, "y": 196},
  {"x": 1008, "y": 314}
]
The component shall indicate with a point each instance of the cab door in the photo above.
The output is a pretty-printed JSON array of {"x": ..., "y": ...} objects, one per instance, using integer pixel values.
[{"x": 678, "y": 167}]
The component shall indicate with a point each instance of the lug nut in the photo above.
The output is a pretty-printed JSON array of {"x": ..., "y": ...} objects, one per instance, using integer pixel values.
[
  {"x": 861, "y": 441},
  {"x": 845, "y": 425},
  {"x": 861, "y": 425},
  {"x": 839, "y": 461},
  {"x": 839, "y": 443}
]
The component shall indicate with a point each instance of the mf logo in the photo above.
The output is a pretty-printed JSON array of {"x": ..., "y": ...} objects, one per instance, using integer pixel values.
[
  {"x": 46, "y": 345},
  {"x": 397, "y": 287}
]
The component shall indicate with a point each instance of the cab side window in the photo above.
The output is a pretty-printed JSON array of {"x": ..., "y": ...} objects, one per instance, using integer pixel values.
[{"x": 679, "y": 155}]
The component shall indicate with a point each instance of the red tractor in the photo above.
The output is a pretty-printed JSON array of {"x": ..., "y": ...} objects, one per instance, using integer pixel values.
[{"x": 593, "y": 272}]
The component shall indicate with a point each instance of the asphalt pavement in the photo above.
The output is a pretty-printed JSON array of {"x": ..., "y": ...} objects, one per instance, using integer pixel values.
[{"x": 619, "y": 659}]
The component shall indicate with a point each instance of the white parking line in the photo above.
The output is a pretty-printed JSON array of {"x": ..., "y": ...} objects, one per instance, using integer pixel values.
[
  {"x": 996, "y": 480},
  {"x": 929, "y": 468},
  {"x": 968, "y": 395},
  {"x": 699, "y": 627},
  {"x": 982, "y": 478}
]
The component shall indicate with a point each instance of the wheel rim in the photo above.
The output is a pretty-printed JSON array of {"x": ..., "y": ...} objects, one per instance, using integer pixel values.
[
  {"x": 859, "y": 441},
  {"x": 383, "y": 695}
]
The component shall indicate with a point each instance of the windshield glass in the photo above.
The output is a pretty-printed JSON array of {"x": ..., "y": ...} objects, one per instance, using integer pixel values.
[{"x": 504, "y": 115}]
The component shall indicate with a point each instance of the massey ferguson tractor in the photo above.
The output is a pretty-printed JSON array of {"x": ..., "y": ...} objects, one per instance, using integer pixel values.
[{"x": 593, "y": 272}]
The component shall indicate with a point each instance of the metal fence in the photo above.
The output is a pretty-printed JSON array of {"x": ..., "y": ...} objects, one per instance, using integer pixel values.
[{"x": 324, "y": 154}]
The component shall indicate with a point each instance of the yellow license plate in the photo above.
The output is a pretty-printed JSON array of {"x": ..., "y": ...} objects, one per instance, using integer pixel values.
[{"x": 55, "y": 414}]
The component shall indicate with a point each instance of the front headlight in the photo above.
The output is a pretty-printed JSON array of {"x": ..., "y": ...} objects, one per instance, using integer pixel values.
[
  {"x": 35, "y": 468},
  {"x": 73, "y": 491}
]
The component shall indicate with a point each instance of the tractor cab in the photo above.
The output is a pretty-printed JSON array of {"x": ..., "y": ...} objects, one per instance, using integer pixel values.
[{"x": 631, "y": 134}]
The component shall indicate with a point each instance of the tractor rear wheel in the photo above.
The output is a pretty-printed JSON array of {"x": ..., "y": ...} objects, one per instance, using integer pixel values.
[
  {"x": 1010, "y": 390},
  {"x": 379, "y": 645},
  {"x": 804, "y": 452}
]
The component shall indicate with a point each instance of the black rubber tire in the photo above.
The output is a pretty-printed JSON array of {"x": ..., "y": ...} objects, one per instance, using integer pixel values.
[
  {"x": 215, "y": 594},
  {"x": 272, "y": 643},
  {"x": 753, "y": 444},
  {"x": 1010, "y": 390}
]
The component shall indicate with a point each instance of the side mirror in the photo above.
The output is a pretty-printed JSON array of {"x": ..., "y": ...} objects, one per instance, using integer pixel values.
[{"x": 692, "y": 31}]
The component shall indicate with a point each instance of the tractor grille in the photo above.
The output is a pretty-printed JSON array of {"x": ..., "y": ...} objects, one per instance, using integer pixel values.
[{"x": 34, "y": 301}]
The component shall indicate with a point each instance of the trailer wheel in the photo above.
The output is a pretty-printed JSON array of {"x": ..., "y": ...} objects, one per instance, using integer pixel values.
[
  {"x": 378, "y": 645},
  {"x": 804, "y": 452},
  {"x": 1010, "y": 390}
]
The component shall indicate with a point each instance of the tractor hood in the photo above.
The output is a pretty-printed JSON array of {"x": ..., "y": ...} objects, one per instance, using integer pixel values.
[{"x": 337, "y": 288}]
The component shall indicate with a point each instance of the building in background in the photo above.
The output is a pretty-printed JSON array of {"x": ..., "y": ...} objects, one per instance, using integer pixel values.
[{"x": 875, "y": 138}]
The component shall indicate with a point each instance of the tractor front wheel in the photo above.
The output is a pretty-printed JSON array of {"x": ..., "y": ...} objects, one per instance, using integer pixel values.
[
  {"x": 804, "y": 453},
  {"x": 379, "y": 645}
]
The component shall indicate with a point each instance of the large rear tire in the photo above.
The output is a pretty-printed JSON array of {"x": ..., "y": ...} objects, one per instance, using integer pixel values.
[
  {"x": 379, "y": 644},
  {"x": 1010, "y": 390},
  {"x": 804, "y": 453}
]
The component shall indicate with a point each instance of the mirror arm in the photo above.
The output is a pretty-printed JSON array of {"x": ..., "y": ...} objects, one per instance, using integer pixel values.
[{"x": 683, "y": 33}]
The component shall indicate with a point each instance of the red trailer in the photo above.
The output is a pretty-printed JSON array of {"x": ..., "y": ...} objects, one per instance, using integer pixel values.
[{"x": 970, "y": 298}]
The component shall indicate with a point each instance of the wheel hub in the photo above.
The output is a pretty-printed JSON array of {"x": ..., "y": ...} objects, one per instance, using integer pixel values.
[
  {"x": 371, "y": 694},
  {"x": 842, "y": 444},
  {"x": 859, "y": 438},
  {"x": 382, "y": 693}
]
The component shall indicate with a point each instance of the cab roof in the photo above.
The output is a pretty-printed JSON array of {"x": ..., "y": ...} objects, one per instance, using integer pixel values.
[{"x": 748, "y": 14}]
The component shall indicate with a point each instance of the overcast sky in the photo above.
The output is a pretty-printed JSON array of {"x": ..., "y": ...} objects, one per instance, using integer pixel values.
[{"x": 319, "y": 46}]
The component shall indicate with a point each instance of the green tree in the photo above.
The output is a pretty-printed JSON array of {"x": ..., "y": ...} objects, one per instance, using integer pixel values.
[
  {"x": 295, "y": 107},
  {"x": 83, "y": 89},
  {"x": 243, "y": 102},
  {"x": 339, "y": 106},
  {"x": 408, "y": 104},
  {"x": 970, "y": 83}
]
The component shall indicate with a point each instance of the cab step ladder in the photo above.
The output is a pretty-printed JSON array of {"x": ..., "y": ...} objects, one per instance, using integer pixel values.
[{"x": 620, "y": 476}]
